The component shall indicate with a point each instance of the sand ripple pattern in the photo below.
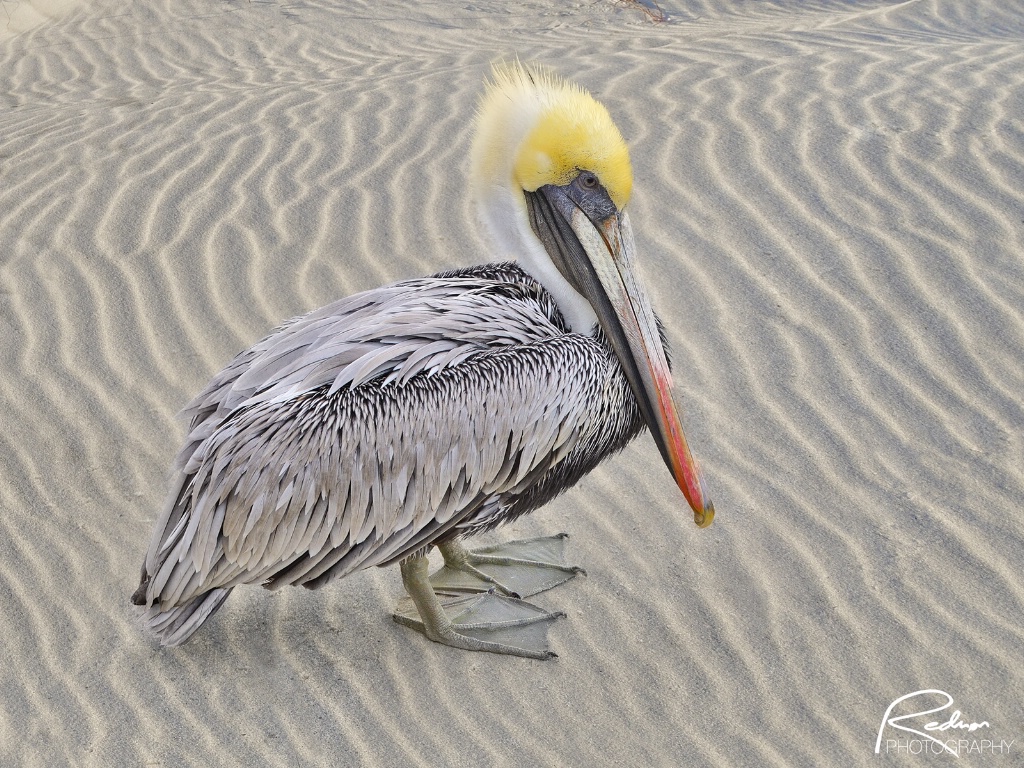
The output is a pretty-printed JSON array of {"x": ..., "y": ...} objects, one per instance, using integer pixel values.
[{"x": 829, "y": 202}]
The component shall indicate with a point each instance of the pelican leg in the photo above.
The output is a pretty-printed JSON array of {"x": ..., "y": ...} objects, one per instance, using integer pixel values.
[
  {"x": 516, "y": 568},
  {"x": 488, "y": 614}
]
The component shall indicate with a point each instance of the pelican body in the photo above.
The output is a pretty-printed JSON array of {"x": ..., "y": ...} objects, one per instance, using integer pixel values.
[{"x": 417, "y": 414}]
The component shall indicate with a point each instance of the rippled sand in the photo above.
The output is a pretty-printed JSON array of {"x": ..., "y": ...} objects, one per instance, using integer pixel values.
[{"x": 830, "y": 202}]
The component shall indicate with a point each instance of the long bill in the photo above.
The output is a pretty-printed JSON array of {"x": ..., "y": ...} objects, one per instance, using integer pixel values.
[{"x": 599, "y": 262}]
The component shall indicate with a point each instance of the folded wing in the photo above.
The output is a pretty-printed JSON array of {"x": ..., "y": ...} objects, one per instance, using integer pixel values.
[{"x": 361, "y": 432}]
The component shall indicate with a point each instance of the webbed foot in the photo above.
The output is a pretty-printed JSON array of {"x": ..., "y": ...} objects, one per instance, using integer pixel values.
[
  {"x": 481, "y": 622},
  {"x": 515, "y": 568}
]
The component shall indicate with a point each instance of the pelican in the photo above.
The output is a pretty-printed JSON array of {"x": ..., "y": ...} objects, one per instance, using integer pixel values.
[{"x": 418, "y": 414}]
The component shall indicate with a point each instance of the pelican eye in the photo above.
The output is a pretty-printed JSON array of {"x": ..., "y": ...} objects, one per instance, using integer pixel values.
[{"x": 590, "y": 195}]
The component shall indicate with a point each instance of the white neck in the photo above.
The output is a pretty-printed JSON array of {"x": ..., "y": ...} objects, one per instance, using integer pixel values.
[
  {"x": 502, "y": 204},
  {"x": 506, "y": 219}
]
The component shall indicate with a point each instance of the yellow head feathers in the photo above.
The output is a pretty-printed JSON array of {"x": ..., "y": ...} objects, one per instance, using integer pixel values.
[{"x": 542, "y": 129}]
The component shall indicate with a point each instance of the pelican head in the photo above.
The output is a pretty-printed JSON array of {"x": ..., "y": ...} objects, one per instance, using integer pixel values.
[{"x": 552, "y": 177}]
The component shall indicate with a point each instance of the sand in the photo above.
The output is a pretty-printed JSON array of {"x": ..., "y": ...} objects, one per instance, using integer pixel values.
[
  {"x": 17, "y": 17},
  {"x": 829, "y": 202}
]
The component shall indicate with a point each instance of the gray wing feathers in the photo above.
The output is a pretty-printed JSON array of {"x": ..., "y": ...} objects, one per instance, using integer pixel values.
[
  {"x": 350, "y": 436},
  {"x": 400, "y": 330},
  {"x": 177, "y": 625}
]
